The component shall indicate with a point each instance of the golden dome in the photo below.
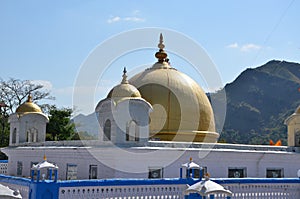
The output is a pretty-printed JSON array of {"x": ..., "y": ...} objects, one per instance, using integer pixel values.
[
  {"x": 181, "y": 108},
  {"x": 124, "y": 89},
  {"x": 28, "y": 107},
  {"x": 297, "y": 110}
]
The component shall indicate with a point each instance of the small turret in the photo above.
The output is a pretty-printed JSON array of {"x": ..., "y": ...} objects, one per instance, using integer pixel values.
[{"x": 293, "y": 128}]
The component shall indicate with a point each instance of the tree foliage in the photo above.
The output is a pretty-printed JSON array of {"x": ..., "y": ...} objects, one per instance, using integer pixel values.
[
  {"x": 14, "y": 92},
  {"x": 4, "y": 136},
  {"x": 82, "y": 135},
  {"x": 60, "y": 126}
]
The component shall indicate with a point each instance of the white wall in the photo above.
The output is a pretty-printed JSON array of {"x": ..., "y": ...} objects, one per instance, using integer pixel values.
[{"x": 116, "y": 162}]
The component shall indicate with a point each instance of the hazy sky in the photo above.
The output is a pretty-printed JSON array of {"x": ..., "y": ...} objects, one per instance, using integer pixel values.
[{"x": 47, "y": 41}]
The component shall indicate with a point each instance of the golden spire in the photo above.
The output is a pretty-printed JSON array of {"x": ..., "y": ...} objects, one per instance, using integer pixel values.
[
  {"x": 161, "y": 46},
  {"x": 161, "y": 54},
  {"x": 45, "y": 158},
  {"x": 124, "y": 80}
]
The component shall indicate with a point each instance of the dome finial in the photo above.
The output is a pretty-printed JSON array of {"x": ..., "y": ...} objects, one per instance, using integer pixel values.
[
  {"x": 161, "y": 46},
  {"x": 29, "y": 99},
  {"x": 124, "y": 80},
  {"x": 161, "y": 54},
  {"x": 45, "y": 158}
]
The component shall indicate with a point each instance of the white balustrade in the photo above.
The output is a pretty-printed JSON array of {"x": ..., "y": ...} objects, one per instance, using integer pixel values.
[
  {"x": 124, "y": 192},
  {"x": 263, "y": 191},
  {"x": 240, "y": 191}
]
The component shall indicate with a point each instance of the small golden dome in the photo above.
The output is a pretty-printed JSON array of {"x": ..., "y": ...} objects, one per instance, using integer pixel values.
[
  {"x": 124, "y": 89},
  {"x": 297, "y": 110},
  {"x": 28, "y": 107},
  {"x": 181, "y": 108}
]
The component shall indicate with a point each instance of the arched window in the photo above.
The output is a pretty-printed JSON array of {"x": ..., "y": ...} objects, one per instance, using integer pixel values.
[
  {"x": 28, "y": 137},
  {"x": 107, "y": 131},
  {"x": 32, "y": 135},
  {"x": 132, "y": 131},
  {"x": 297, "y": 138},
  {"x": 14, "y": 136}
]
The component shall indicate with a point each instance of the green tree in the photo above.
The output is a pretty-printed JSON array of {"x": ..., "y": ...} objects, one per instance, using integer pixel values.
[
  {"x": 60, "y": 126},
  {"x": 4, "y": 136},
  {"x": 83, "y": 135}
]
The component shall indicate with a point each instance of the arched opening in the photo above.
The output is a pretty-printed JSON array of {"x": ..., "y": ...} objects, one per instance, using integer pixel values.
[
  {"x": 14, "y": 136},
  {"x": 297, "y": 139},
  {"x": 32, "y": 135},
  {"x": 28, "y": 137},
  {"x": 132, "y": 131},
  {"x": 107, "y": 131}
]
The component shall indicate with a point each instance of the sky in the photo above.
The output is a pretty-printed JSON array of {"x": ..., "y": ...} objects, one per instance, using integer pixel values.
[{"x": 48, "y": 41}]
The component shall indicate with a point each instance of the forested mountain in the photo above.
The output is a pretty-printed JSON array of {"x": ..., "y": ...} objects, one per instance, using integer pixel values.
[{"x": 258, "y": 102}]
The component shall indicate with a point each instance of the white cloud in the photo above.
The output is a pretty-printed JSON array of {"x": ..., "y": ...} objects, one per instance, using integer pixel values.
[
  {"x": 134, "y": 17},
  {"x": 66, "y": 91},
  {"x": 245, "y": 47},
  {"x": 234, "y": 45},
  {"x": 249, "y": 47},
  {"x": 113, "y": 19},
  {"x": 46, "y": 84},
  {"x": 82, "y": 98}
]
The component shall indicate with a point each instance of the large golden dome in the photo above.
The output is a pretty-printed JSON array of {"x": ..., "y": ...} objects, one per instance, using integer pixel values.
[
  {"x": 182, "y": 111},
  {"x": 28, "y": 107}
]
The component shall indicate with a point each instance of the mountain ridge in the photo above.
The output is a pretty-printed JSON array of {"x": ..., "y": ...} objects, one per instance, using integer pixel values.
[{"x": 259, "y": 100}]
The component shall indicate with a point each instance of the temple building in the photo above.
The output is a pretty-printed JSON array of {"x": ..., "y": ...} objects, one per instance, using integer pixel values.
[{"x": 149, "y": 125}]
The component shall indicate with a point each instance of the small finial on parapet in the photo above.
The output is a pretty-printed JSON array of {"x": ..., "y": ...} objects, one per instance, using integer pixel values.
[{"x": 45, "y": 158}]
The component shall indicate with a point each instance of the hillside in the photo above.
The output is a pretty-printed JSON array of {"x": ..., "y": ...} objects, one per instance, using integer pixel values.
[
  {"x": 87, "y": 124},
  {"x": 258, "y": 102}
]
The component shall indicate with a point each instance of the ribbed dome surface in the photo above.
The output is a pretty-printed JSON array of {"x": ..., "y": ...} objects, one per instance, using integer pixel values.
[
  {"x": 124, "y": 90},
  {"x": 179, "y": 102}
]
